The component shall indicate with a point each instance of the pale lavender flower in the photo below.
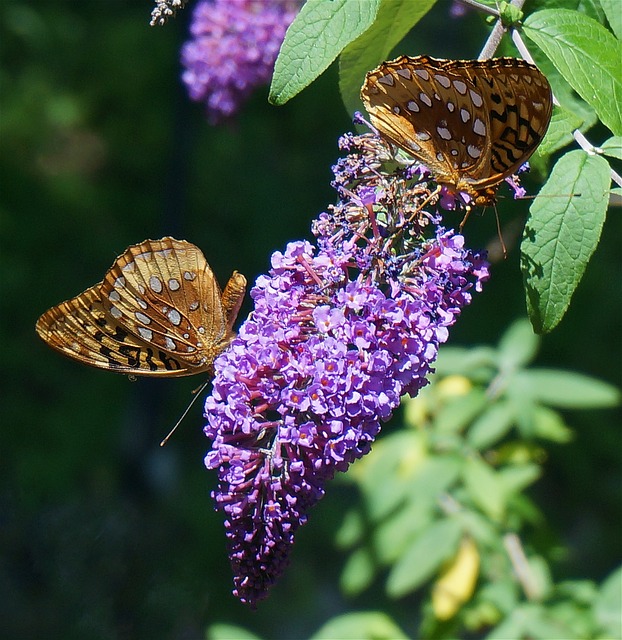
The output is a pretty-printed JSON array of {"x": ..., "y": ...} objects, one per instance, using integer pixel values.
[
  {"x": 233, "y": 49},
  {"x": 340, "y": 331}
]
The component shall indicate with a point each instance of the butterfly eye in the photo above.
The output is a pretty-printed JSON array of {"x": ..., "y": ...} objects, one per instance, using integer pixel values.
[
  {"x": 472, "y": 123},
  {"x": 158, "y": 312}
]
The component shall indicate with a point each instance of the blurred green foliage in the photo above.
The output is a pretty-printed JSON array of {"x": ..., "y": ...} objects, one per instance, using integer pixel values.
[{"x": 104, "y": 534}]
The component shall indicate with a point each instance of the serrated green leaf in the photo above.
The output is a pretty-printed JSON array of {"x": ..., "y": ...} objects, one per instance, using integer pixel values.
[
  {"x": 369, "y": 625},
  {"x": 484, "y": 488},
  {"x": 613, "y": 147},
  {"x": 429, "y": 551},
  {"x": 608, "y": 605},
  {"x": 568, "y": 390},
  {"x": 318, "y": 34},
  {"x": 587, "y": 56},
  {"x": 492, "y": 425},
  {"x": 395, "y": 18},
  {"x": 614, "y": 16},
  {"x": 561, "y": 234},
  {"x": 518, "y": 345},
  {"x": 358, "y": 572},
  {"x": 559, "y": 133},
  {"x": 565, "y": 94},
  {"x": 229, "y": 632}
]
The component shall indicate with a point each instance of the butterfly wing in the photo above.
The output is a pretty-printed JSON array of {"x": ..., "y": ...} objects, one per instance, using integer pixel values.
[
  {"x": 165, "y": 292},
  {"x": 519, "y": 103},
  {"x": 81, "y": 329},
  {"x": 472, "y": 123}
]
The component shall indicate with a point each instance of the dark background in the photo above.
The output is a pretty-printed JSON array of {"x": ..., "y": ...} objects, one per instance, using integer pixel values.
[{"x": 104, "y": 534}]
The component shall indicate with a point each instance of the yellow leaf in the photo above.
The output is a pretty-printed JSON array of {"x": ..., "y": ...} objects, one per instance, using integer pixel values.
[{"x": 456, "y": 584}]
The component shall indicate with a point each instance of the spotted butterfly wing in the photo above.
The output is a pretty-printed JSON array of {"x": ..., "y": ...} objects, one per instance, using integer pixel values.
[
  {"x": 473, "y": 123},
  {"x": 158, "y": 312}
]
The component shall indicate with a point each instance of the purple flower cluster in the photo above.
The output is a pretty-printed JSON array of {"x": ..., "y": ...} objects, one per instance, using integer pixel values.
[
  {"x": 338, "y": 334},
  {"x": 233, "y": 48}
]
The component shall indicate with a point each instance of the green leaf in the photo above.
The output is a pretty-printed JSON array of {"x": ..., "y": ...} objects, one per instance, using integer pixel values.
[
  {"x": 458, "y": 413},
  {"x": 484, "y": 488},
  {"x": 517, "y": 477},
  {"x": 614, "y": 16},
  {"x": 549, "y": 425},
  {"x": 395, "y": 18},
  {"x": 492, "y": 425},
  {"x": 559, "y": 133},
  {"x": 358, "y": 572},
  {"x": 472, "y": 363},
  {"x": 561, "y": 235},
  {"x": 369, "y": 625},
  {"x": 613, "y": 147},
  {"x": 587, "y": 56},
  {"x": 351, "y": 530},
  {"x": 431, "y": 548},
  {"x": 608, "y": 605},
  {"x": 315, "y": 38},
  {"x": 568, "y": 390},
  {"x": 518, "y": 346},
  {"x": 565, "y": 94},
  {"x": 229, "y": 632},
  {"x": 396, "y": 532}
]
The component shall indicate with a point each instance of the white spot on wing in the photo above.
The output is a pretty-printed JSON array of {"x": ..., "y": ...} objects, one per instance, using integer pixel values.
[
  {"x": 174, "y": 316},
  {"x": 155, "y": 284},
  {"x": 173, "y": 284},
  {"x": 460, "y": 87},
  {"x": 442, "y": 80},
  {"x": 425, "y": 98},
  {"x": 141, "y": 317},
  {"x": 145, "y": 334},
  {"x": 476, "y": 98},
  {"x": 444, "y": 133}
]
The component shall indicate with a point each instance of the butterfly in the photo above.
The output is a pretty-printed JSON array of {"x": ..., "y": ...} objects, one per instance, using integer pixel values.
[
  {"x": 472, "y": 123},
  {"x": 158, "y": 312}
]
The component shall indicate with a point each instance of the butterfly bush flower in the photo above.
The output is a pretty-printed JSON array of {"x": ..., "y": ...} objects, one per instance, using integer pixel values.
[
  {"x": 341, "y": 329},
  {"x": 232, "y": 51}
]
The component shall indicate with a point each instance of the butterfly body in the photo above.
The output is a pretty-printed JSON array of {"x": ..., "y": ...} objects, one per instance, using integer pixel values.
[
  {"x": 472, "y": 123},
  {"x": 158, "y": 312}
]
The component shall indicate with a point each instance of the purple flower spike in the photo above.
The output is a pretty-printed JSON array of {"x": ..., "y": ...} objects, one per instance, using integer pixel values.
[
  {"x": 338, "y": 334},
  {"x": 233, "y": 48}
]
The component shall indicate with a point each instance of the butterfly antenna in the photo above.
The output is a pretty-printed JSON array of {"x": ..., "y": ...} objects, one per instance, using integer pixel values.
[
  {"x": 500, "y": 234},
  {"x": 468, "y": 209},
  {"x": 197, "y": 393}
]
